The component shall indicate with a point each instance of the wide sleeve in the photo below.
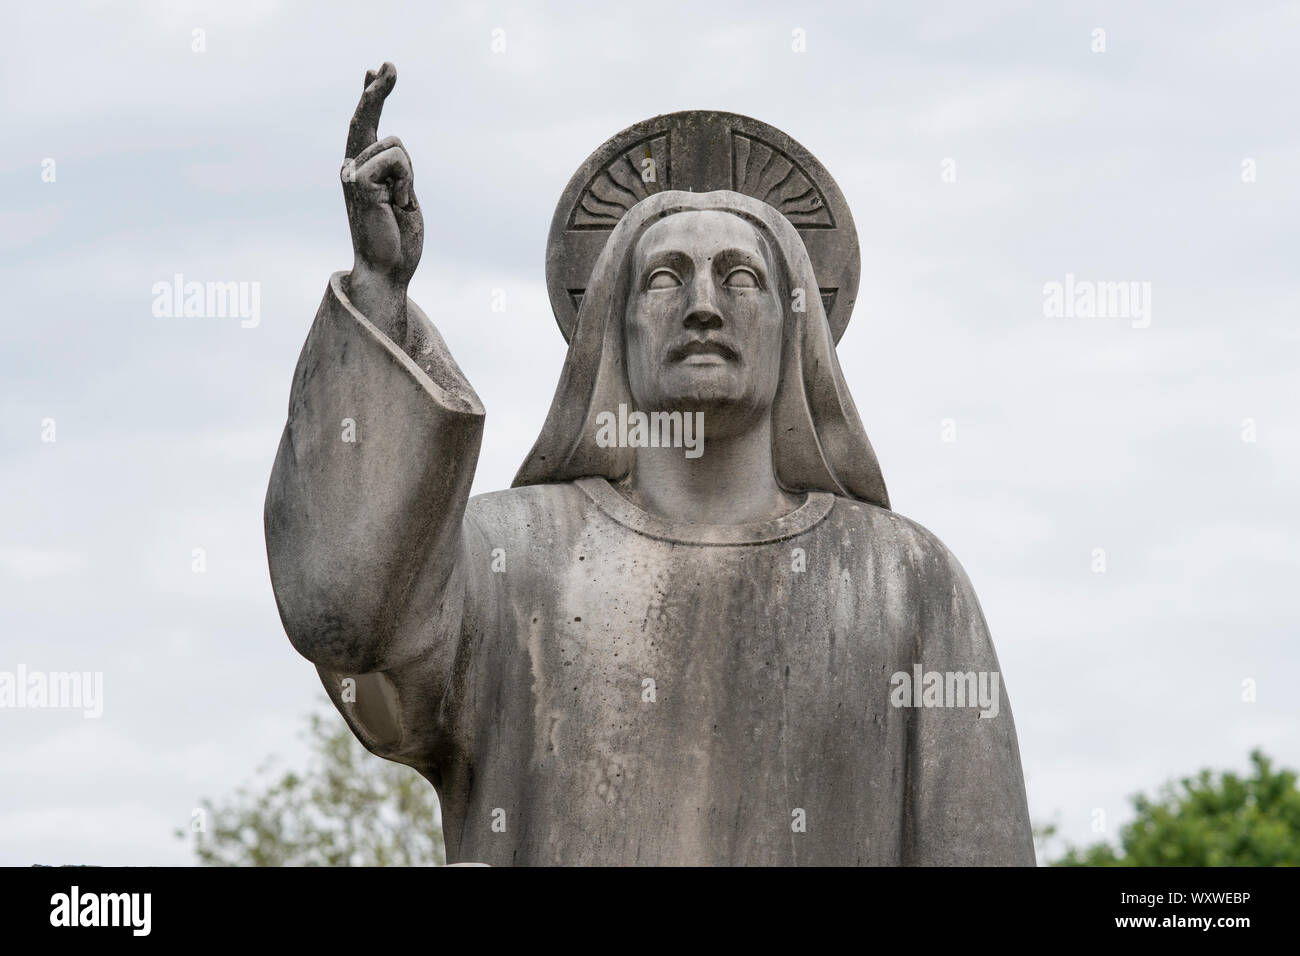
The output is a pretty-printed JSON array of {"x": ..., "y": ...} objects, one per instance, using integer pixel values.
[
  {"x": 965, "y": 802},
  {"x": 365, "y": 507}
]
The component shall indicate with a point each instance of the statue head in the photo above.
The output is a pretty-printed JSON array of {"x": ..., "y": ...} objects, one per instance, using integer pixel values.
[
  {"x": 703, "y": 323},
  {"x": 707, "y": 302}
]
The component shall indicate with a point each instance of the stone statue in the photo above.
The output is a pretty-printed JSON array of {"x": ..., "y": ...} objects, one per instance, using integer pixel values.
[{"x": 692, "y": 632}]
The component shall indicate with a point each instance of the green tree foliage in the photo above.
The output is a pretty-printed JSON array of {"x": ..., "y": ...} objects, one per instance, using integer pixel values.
[
  {"x": 1209, "y": 820},
  {"x": 349, "y": 808}
]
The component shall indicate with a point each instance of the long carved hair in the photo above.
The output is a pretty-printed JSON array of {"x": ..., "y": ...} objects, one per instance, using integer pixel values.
[{"x": 818, "y": 442}]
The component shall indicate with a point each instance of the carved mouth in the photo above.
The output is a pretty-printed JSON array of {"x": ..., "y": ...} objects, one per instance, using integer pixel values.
[{"x": 702, "y": 347}]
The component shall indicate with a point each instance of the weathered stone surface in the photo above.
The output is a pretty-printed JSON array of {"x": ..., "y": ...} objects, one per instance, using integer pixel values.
[{"x": 637, "y": 654}]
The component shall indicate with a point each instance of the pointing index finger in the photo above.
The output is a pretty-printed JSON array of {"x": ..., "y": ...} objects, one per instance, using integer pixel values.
[{"x": 364, "y": 128}]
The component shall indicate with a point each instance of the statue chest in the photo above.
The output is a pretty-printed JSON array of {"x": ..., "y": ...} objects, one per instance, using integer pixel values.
[{"x": 671, "y": 702}]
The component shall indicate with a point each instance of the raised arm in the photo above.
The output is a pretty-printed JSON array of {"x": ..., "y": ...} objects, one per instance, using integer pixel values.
[{"x": 368, "y": 491}]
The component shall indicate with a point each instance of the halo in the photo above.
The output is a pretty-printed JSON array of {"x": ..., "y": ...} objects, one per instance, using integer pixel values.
[{"x": 700, "y": 151}]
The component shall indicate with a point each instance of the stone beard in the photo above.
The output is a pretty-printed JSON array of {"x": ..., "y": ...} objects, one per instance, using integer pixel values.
[{"x": 586, "y": 681}]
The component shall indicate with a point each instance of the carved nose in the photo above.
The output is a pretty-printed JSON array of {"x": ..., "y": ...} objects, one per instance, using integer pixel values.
[
  {"x": 702, "y": 313},
  {"x": 706, "y": 317}
]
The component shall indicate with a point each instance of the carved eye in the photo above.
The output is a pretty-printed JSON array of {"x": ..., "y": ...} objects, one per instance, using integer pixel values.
[
  {"x": 663, "y": 279},
  {"x": 741, "y": 278}
]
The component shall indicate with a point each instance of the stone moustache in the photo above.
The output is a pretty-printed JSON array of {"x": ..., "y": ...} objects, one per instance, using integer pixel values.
[{"x": 634, "y": 656}]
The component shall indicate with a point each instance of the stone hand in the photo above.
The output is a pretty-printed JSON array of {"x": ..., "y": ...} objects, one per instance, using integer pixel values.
[{"x": 378, "y": 189}]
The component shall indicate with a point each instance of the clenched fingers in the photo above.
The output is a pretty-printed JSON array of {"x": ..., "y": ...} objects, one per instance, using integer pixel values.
[{"x": 384, "y": 177}]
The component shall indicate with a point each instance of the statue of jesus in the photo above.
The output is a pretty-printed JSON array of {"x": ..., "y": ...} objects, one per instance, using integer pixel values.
[{"x": 635, "y": 655}]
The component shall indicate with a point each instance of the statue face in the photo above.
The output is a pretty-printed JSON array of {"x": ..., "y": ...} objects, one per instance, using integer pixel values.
[{"x": 703, "y": 325}]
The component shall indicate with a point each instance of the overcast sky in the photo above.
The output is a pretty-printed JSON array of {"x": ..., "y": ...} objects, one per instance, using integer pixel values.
[{"x": 1072, "y": 434}]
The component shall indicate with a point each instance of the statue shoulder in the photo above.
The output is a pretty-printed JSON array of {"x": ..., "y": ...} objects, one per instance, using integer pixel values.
[
  {"x": 919, "y": 580},
  {"x": 528, "y": 511},
  {"x": 906, "y": 545}
]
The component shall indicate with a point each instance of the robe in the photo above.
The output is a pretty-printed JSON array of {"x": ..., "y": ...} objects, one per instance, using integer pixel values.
[{"x": 585, "y": 682}]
